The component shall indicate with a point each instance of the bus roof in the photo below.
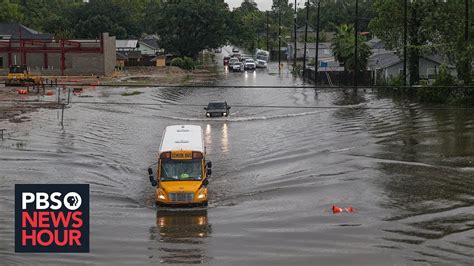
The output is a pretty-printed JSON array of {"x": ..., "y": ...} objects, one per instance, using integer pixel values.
[{"x": 182, "y": 137}]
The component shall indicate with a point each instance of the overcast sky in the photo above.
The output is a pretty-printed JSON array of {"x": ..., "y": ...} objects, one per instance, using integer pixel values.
[{"x": 262, "y": 4}]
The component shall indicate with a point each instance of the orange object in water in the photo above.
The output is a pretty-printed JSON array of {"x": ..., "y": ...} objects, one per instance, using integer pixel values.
[
  {"x": 49, "y": 93},
  {"x": 336, "y": 209}
]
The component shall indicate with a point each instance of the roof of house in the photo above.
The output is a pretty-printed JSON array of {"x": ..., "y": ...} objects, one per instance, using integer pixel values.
[
  {"x": 18, "y": 31},
  {"x": 152, "y": 43},
  {"x": 376, "y": 44},
  {"x": 390, "y": 58},
  {"x": 126, "y": 44},
  {"x": 120, "y": 56},
  {"x": 383, "y": 60},
  {"x": 128, "y": 54}
]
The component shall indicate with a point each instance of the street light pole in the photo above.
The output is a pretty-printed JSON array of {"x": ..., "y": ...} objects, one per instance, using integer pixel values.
[
  {"x": 294, "y": 28},
  {"x": 316, "y": 59},
  {"x": 305, "y": 37},
  {"x": 356, "y": 29},
  {"x": 405, "y": 30},
  {"x": 268, "y": 26},
  {"x": 279, "y": 35}
]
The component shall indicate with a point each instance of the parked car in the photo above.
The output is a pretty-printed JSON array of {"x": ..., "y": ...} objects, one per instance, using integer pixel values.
[
  {"x": 238, "y": 56},
  {"x": 218, "y": 50},
  {"x": 235, "y": 50},
  {"x": 217, "y": 109},
  {"x": 250, "y": 64},
  {"x": 226, "y": 60},
  {"x": 232, "y": 60},
  {"x": 238, "y": 67},
  {"x": 243, "y": 58}
]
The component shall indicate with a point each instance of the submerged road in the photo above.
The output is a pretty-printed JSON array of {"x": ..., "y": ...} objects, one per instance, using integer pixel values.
[{"x": 407, "y": 172}]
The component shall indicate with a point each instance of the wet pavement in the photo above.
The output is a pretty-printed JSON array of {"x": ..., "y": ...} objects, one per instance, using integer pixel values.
[{"x": 408, "y": 173}]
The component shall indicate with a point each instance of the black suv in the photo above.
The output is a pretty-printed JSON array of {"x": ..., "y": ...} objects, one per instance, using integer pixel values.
[{"x": 217, "y": 109}]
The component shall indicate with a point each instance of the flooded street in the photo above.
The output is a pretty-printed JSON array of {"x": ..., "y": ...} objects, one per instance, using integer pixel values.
[{"x": 407, "y": 171}]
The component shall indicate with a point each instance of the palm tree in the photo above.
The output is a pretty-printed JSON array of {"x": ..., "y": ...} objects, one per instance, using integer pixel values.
[{"x": 343, "y": 48}]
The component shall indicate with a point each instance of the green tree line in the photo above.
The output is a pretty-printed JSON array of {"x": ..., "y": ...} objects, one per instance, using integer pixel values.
[{"x": 188, "y": 26}]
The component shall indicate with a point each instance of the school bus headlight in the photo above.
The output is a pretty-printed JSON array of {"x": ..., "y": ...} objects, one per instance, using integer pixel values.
[
  {"x": 201, "y": 195},
  {"x": 161, "y": 195}
]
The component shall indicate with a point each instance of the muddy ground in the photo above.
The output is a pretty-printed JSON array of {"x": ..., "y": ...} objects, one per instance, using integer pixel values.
[{"x": 13, "y": 105}]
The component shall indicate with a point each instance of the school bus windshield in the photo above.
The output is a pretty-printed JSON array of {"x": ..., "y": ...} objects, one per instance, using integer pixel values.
[{"x": 181, "y": 170}]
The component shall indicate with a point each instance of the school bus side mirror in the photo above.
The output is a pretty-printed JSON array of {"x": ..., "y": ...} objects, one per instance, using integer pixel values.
[
  {"x": 151, "y": 177},
  {"x": 209, "y": 172},
  {"x": 209, "y": 164}
]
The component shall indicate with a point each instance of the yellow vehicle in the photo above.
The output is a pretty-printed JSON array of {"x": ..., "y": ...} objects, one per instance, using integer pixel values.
[
  {"x": 182, "y": 171},
  {"x": 18, "y": 75}
]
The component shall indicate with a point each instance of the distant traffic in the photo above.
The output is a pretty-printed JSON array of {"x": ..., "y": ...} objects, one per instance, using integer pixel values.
[{"x": 238, "y": 62}]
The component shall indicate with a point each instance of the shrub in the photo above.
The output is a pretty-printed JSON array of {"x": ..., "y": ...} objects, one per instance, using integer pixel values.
[
  {"x": 440, "y": 92},
  {"x": 183, "y": 63},
  {"x": 178, "y": 62},
  {"x": 188, "y": 63}
]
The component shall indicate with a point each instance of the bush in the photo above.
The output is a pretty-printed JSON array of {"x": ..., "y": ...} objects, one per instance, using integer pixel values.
[
  {"x": 440, "y": 92},
  {"x": 178, "y": 62},
  {"x": 188, "y": 63},
  {"x": 183, "y": 63}
]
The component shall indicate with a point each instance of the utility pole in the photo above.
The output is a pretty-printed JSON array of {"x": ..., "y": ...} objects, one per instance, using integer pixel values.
[
  {"x": 316, "y": 59},
  {"x": 268, "y": 26},
  {"x": 279, "y": 35},
  {"x": 405, "y": 30},
  {"x": 294, "y": 27},
  {"x": 356, "y": 29},
  {"x": 305, "y": 37},
  {"x": 466, "y": 29}
]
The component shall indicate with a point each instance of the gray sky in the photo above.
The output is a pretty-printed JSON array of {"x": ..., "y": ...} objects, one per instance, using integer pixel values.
[{"x": 262, "y": 4}]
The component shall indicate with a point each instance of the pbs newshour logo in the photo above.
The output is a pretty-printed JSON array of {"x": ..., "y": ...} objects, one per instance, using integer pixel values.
[{"x": 52, "y": 218}]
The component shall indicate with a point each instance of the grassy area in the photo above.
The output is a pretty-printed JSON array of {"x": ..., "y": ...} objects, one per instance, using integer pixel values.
[{"x": 131, "y": 93}]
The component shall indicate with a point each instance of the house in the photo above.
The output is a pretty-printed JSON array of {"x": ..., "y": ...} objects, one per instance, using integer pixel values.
[
  {"x": 386, "y": 65},
  {"x": 149, "y": 45},
  {"x": 300, "y": 33},
  {"x": 130, "y": 58},
  {"x": 324, "y": 51},
  {"x": 126, "y": 45}
]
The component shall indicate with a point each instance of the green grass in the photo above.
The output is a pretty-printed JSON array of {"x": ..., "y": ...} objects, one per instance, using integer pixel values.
[{"x": 131, "y": 93}]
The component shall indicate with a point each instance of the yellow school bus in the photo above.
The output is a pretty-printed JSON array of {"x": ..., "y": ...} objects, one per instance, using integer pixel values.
[{"x": 182, "y": 171}]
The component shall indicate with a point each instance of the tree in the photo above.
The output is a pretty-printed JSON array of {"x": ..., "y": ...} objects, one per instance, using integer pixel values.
[
  {"x": 245, "y": 25},
  {"x": 343, "y": 48},
  {"x": 432, "y": 29},
  {"x": 187, "y": 27},
  {"x": 10, "y": 12}
]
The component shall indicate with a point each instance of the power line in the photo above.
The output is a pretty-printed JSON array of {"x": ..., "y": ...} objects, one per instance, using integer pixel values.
[
  {"x": 255, "y": 86},
  {"x": 353, "y": 107}
]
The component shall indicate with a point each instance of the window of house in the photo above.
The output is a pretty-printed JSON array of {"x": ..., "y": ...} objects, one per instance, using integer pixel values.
[{"x": 1, "y": 62}]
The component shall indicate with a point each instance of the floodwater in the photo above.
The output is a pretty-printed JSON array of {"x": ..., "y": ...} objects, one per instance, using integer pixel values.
[{"x": 407, "y": 172}]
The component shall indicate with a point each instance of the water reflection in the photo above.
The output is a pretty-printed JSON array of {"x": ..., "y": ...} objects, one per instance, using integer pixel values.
[
  {"x": 181, "y": 236},
  {"x": 225, "y": 139}
]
